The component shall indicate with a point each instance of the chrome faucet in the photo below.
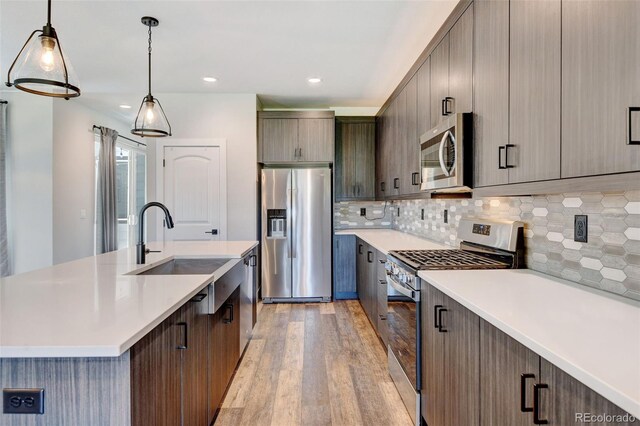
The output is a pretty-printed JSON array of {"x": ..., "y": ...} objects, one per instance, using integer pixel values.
[{"x": 141, "y": 249}]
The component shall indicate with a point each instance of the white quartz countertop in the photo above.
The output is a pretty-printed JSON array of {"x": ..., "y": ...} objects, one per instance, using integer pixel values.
[
  {"x": 95, "y": 307},
  {"x": 592, "y": 336},
  {"x": 385, "y": 240}
]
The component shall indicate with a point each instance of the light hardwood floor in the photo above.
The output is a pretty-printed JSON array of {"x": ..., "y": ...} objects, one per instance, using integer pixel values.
[{"x": 313, "y": 364}]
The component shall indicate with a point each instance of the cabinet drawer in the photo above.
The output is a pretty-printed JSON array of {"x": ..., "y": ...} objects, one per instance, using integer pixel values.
[{"x": 220, "y": 290}]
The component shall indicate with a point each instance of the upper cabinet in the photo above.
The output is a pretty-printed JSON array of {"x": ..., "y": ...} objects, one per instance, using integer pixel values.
[
  {"x": 297, "y": 136},
  {"x": 410, "y": 162},
  {"x": 534, "y": 91},
  {"x": 452, "y": 70},
  {"x": 600, "y": 82},
  {"x": 355, "y": 158},
  {"x": 491, "y": 91}
]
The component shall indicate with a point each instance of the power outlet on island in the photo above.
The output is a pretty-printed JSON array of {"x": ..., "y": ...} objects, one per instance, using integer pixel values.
[
  {"x": 23, "y": 401},
  {"x": 363, "y": 211}
]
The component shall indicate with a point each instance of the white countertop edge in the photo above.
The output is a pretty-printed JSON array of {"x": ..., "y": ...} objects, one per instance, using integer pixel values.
[
  {"x": 362, "y": 234},
  {"x": 603, "y": 388},
  {"x": 111, "y": 351}
]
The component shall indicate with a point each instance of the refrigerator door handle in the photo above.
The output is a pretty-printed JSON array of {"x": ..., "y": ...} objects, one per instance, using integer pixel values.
[{"x": 294, "y": 213}]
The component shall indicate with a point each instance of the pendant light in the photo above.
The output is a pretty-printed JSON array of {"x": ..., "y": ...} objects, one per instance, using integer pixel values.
[
  {"x": 40, "y": 67},
  {"x": 151, "y": 120}
]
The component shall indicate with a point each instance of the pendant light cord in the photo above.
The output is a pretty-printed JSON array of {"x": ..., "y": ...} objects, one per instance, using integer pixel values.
[
  {"x": 149, "y": 59},
  {"x": 49, "y": 13}
]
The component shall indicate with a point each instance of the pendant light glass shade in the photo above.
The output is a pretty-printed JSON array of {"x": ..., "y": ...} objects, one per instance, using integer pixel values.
[
  {"x": 41, "y": 68},
  {"x": 151, "y": 120}
]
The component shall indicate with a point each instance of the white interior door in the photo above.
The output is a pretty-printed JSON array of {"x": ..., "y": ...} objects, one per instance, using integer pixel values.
[{"x": 192, "y": 192}]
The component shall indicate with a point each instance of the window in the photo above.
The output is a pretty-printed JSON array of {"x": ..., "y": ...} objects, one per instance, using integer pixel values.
[{"x": 131, "y": 189}]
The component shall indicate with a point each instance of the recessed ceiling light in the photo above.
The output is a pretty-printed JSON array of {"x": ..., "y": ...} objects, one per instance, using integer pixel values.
[
  {"x": 210, "y": 79},
  {"x": 314, "y": 80},
  {"x": 123, "y": 106}
]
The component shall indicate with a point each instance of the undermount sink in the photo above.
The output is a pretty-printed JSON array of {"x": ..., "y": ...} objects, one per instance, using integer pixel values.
[{"x": 186, "y": 267}]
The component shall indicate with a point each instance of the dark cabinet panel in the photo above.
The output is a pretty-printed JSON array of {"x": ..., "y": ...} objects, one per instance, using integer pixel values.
[
  {"x": 565, "y": 397},
  {"x": 424, "y": 97},
  {"x": 461, "y": 63},
  {"x": 344, "y": 265},
  {"x": 279, "y": 139},
  {"x": 600, "y": 63},
  {"x": 410, "y": 162},
  {"x": 534, "y": 86},
  {"x": 504, "y": 362},
  {"x": 439, "y": 80},
  {"x": 194, "y": 372},
  {"x": 491, "y": 90},
  {"x": 433, "y": 384},
  {"x": 355, "y": 159},
  {"x": 155, "y": 364},
  {"x": 315, "y": 139}
]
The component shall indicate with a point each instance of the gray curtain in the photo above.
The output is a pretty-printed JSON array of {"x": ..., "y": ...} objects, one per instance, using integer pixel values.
[
  {"x": 5, "y": 265},
  {"x": 106, "y": 214}
]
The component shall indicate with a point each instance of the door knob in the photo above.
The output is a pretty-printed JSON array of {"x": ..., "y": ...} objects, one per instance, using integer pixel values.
[{"x": 212, "y": 232}]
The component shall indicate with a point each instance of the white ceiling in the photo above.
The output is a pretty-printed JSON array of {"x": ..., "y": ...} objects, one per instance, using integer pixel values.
[{"x": 360, "y": 49}]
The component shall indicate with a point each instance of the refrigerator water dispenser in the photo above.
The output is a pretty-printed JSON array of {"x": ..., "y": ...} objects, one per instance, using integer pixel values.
[{"x": 276, "y": 223}]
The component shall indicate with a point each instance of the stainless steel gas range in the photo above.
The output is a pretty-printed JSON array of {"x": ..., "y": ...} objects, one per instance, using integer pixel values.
[{"x": 486, "y": 244}]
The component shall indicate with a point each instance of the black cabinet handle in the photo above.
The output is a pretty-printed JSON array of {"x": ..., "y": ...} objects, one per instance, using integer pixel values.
[
  {"x": 506, "y": 156},
  {"x": 396, "y": 183},
  {"x": 441, "y": 328},
  {"x": 447, "y": 101},
  {"x": 443, "y": 109},
  {"x": 300, "y": 151},
  {"x": 359, "y": 248},
  {"x": 523, "y": 392},
  {"x": 435, "y": 315},
  {"x": 631, "y": 141},
  {"x": 199, "y": 297},
  {"x": 415, "y": 178},
  {"x": 184, "y": 333},
  {"x": 229, "y": 307},
  {"x": 369, "y": 259},
  {"x": 253, "y": 260},
  {"x": 382, "y": 186},
  {"x": 536, "y": 404},
  {"x": 500, "y": 149}
]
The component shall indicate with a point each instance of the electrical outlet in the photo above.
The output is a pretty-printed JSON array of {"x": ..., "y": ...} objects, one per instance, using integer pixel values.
[
  {"x": 23, "y": 401},
  {"x": 422, "y": 214},
  {"x": 446, "y": 216},
  {"x": 363, "y": 211},
  {"x": 581, "y": 228}
]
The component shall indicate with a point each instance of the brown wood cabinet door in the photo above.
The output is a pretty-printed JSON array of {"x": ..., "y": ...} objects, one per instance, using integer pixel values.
[
  {"x": 155, "y": 375},
  {"x": 372, "y": 287},
  {"x": 491, "y": 91},
  {"x": 433, "y": 361},
  {"x": 345, "y": 161},
  {"x": 439, "y": 79},
  {"x": 534, "y": 84},
  {"x": 398, "y": 140},
  {"x": 361, "y": 255},
  {"x": 380, "y": 163},
  {"x": 410, "y": 164},
  {"x": 461, "y": 63},
  {"x": 462, "y": 364},
  {"x": 365, "y": 135},
  {"x": 424, "y": 97},
  {"x": 600, "y": 63},
  {"x": 194, "y": 363},
  {"x": 316, "y": 139},
  {"x": 279, "y": 137},
  {"x": 217, "y": 360},
  {"x": 233, "y": 334},
  {"x": 566, "y": 398},
  {"x": 503, "y": 362}
]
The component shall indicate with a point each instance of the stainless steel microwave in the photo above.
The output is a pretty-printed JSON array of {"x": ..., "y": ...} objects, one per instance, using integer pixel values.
[{"x": 446, "y": 155}]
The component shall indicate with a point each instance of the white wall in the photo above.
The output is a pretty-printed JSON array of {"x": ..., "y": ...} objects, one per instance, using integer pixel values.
[
  {"x": 30, "y": 180},
  {"x": 74, "y": 177},
  {"x": 228, "y": 116}
]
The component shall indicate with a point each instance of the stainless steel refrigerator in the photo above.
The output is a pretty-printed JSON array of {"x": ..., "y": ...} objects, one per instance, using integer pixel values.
[{"x": 296, "y": 234}]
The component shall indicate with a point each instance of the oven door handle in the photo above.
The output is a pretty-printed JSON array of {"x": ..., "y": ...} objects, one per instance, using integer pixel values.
[
  {"x": 401, "y": 289},
  {"x": 443, "y": 166}
]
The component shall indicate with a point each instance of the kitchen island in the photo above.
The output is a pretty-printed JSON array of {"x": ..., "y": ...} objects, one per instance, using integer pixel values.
[{"x": 75, "y": 329}]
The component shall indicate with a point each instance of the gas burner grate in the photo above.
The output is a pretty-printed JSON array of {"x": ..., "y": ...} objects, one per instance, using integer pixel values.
[{"x": 448, "y": 259}]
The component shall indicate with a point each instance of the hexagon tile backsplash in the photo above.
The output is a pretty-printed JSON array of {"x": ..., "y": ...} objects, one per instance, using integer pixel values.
[{"x": 609, "y": 261}]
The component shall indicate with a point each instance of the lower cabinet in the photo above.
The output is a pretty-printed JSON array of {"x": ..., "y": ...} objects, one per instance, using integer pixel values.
[
  {"x": 371, "y": 286},
  {"x": 474, "y": 374},
  {"x": 450, "y": 359},
  {"x": 181, "y": 369}
]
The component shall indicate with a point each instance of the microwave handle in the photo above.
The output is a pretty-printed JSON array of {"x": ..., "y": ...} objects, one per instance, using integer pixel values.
[{"x": 441, "y": 153}]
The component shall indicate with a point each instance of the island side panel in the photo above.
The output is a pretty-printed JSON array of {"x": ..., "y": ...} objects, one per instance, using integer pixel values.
[{"x": 78, "y": 391}]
